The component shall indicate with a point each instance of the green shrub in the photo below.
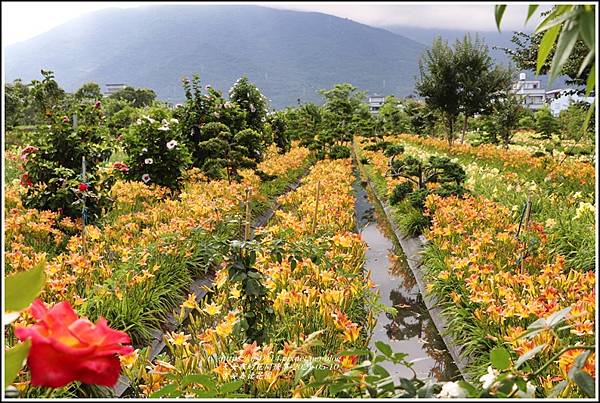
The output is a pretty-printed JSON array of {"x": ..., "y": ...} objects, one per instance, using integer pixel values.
[
  {"x": 53, "y": 165},
  {"x": 400, "y": 192},
  {"x": 155, "y": 150},
  {"x": 417, "y": 198},
  {"x": 411, "y": 221},
  {"x": 378, "y": 146},
  {"x": 339, "y": 152}
]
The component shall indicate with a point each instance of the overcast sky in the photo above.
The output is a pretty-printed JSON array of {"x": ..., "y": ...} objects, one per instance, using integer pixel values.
[{"x": 24, "y": 20}]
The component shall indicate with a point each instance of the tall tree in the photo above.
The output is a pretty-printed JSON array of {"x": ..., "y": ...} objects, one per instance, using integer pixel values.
[
  {"x": 89, "y": 91},
  {"x": 439, "y": 83},
  {"x": 392, "y": 115},
  {"x": 507, "y": 110},
  {"x": 480, "y": 81},
  {"x": 138, "y": 97},
  {"x": 47, "y": 94},
  {"x": 252, "y": 101},
  {"x": 343, "y": 101},
  {"x": 16, "y": 100}
]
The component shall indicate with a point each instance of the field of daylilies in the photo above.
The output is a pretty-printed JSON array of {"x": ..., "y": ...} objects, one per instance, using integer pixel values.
[
  {"x": 288, "y": 308},
  {"x": 509, "y": 252}
]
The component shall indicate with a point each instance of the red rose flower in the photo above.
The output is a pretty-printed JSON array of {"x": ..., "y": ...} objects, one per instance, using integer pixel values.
[
  {"x": 66, "y": 348},
  {"x": 98, "y": 105},
  {"x": 83, "y": 187},
  {"x": 25, "y": 180}
]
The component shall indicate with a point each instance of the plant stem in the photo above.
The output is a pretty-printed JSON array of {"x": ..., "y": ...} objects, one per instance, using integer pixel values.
[{"x": 557, "y": 356}]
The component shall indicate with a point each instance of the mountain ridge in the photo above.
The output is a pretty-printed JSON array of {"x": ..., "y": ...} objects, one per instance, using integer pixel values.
[{"x": 288, "y": 54}]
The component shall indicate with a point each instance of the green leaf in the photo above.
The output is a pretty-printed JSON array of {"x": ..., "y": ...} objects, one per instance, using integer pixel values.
[
  {"x": 304, "y": 369},
  {"x": 23, "y": 287},
  {"x": 588, "y": 59},
  {"x": 546, "y": 45},
  {"x": 529, "y": 355},
  {"x": 530, "y": 10},
  {"x": 585, "y": 382},
  {"x": 500, "y": 358},
  {"x": 164, "y": 391},
  {"x": 337, "y": 387},
  {"x": 557, "y": 317},
  {"x": 380, "y": 371},
  {"x": 384, "y": 348},
  {"x": 471, "y": 390},
  {"x": 586, "y": 28},
  {"x": 231, "y": 386},
  {"x": 558, "y": 15},
  {"x": 580, "y": 360},
  {"x": 564, "y": 47},
  {"x": 499, "y": 13},
  {"x": 558, "y": 389},
  {"x": 201, "y": 379},
  {"x": 591, "y": 83},
  {"x": 14, "y": 360},
  {"x": 588, "y": 115},
  {"x": 320, "y": 374},
  {"x": 408, "y": 386},
  {"x": 354, "y": 351}
]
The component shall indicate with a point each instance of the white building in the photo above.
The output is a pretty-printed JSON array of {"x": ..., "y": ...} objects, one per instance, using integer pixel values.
[
  {"x": 530, "y": 91},
  {"x": 375, "y": 102},
  {"x": 112, "y": 88},
  {"x": 560, "y": 100}
]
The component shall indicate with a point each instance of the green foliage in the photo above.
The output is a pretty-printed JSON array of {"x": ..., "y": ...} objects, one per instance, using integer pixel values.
[
  {"x": 53, "y": 172},
  {"x": 281, "y": 136},
  {"x": 17, "y": 103},
  {"x": 480, "y": 81},
  {"x": 400, "y": 192},
  {"x": 545, "y": 123},
  {"x": 88, "y": 91},
  {"x": 339, "y": 152},
  {"x": 46, "y": 94},
  {"x": 137, "y": 97},
  {"x": 257, "y": 311},
  {"x": 344, "y": 115},
  {"x": 507, "y": 110},
  {"x": 393, "y": 117},
  {"x": 393, "y": 150},
  {"x": 124, "y": 118},
  {"x": 421, "y": 118},
  {"x": 226, "y": 151},
  {"x": 251, "y": 101},
  {"x": 410, "y": 196},
  {"x": 564, "y": 28},
  {"x": 14, "y": 359},
  {"x": 571, "y": 122},
  {"x": 156, "y": 153},
  {"x": 526, "y": 123},
  {"x": 203, "y": 118},
  {"x": 23, "y": 287},
  {"x": 439, "y": 83}
]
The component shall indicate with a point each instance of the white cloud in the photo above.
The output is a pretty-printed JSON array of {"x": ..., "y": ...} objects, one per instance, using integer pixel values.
[{"x": 24, "y": 20}]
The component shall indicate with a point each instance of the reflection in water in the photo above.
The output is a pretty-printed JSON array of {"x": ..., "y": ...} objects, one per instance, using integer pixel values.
[{"x": 410, "y": 330}]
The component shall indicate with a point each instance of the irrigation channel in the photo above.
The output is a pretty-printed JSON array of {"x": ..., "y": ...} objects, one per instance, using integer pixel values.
[{"x": 411, "y": 329}]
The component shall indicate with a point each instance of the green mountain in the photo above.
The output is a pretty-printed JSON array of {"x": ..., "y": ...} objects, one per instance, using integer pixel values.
[{"x": 288, "y": 54}]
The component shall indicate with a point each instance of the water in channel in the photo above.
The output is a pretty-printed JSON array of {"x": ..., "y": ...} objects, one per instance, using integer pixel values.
[{"x": 411, "y": 329}]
